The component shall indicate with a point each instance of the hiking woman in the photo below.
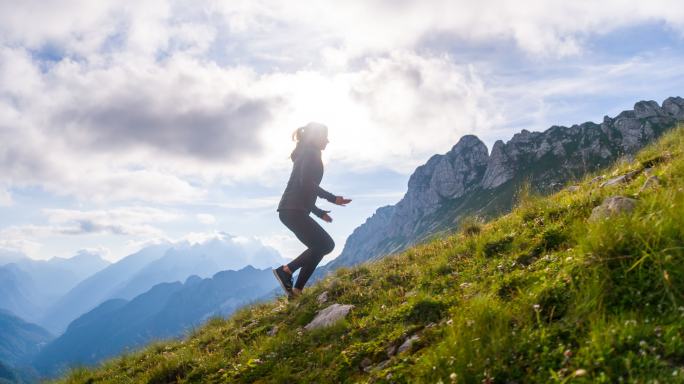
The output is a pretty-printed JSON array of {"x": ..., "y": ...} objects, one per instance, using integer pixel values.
[{"x": 299, "y": 200}]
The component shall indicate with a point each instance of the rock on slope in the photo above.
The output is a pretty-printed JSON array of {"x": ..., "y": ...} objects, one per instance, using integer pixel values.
[{"x": 466, "y": 181}]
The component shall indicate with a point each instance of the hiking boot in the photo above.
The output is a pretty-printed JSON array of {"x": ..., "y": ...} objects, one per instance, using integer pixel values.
[{"x": 285, "y": 280}]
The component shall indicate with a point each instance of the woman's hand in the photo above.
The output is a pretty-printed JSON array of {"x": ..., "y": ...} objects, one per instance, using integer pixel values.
[
  {"x": 339, "y": 200},
  {"x": 326, "y": 218}
]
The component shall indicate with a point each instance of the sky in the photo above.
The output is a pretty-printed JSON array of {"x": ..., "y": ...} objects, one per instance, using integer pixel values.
[{"x": 128, "y": 123}]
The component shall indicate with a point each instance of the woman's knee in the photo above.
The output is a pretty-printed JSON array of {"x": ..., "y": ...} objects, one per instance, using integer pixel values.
[
  {"x": 325, "y": 246},
  {"x": 328, "y": 246}
]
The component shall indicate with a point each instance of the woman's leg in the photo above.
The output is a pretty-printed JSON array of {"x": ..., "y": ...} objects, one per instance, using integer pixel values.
[{"x": 317, "y": 240}]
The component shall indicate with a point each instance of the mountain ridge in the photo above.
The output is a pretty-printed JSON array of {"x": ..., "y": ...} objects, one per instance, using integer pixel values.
[{"x": 467, "y": 181}]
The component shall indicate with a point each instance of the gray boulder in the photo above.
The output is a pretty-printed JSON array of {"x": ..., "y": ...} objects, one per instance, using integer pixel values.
[
  {"x": 612, "y": 206},
  {"x": 329, "y": 316}
]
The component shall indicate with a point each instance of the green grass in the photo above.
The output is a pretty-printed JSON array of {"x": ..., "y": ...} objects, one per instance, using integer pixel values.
[{"x": 539, "y": 295}]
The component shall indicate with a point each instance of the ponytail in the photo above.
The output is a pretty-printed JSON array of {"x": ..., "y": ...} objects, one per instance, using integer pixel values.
[
  {"x": 302, "y": 134},
  {"x": 298, "y": 134}
]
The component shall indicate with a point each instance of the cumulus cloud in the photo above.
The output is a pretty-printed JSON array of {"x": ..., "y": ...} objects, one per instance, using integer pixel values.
[
  {"x": 132, "y": 221},
  {"x": 538, "y": 27},
  {"x": 124, "y": 133},
  {"x": 172, "y": 110},
  {"x": 137, "y": 224},
  {"x": 157, "y": 100}
]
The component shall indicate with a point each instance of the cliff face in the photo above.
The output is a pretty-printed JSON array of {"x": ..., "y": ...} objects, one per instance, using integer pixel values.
[{"x": 467, "y": 181}]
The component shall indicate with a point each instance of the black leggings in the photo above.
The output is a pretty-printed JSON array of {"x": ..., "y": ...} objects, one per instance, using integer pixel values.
[{"x": 317, "y": 240}]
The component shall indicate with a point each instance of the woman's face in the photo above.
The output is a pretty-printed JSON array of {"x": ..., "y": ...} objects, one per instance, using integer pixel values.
[{"x": 321, "y": 141}]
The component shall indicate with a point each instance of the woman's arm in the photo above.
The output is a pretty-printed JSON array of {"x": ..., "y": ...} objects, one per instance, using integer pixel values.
[{"x": 322, "y": 193}]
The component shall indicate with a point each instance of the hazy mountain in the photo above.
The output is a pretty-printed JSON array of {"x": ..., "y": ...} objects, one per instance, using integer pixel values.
[
  {"x": 139, "y": 272},
  {"x": 19, "y": 340},
  {"x": 28, "y": 287},
  {"x": 166, "y": 310},
  {"x": 99, "y": 287},
  {"x": 202, "y": 259},
  {"x": 9, "y": 256},
  {"x": 54, "y": 277},
  {"x": 17, "y": 292},
  {"x": 468, "y": 181}
]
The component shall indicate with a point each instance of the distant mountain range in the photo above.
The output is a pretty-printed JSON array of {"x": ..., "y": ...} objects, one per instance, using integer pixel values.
[
  {"x": 28, "y": 287},
  {"x": 166, "y": 310},
  {"x": 467, "y": 181},
  {"x": 137, "y": 273}
]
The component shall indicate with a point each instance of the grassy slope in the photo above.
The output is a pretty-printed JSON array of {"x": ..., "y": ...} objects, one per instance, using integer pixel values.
[{"x": 538, "y": 295}]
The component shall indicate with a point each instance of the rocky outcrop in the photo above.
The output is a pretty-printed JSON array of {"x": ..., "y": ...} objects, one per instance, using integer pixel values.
[
  {"x": 468, "y": 181},
  {"x": 612, "y": 206},
  {"x": 329, "y": 316}
]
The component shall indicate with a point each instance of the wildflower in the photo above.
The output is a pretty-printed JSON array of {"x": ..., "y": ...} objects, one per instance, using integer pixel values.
[{"x": 536, "y": 307}]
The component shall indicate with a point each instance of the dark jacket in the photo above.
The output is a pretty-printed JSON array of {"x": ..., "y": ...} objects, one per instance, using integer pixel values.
[{"x": 303, "y": 186}]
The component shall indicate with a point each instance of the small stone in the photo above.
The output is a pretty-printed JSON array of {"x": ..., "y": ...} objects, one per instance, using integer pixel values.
[
  {"x": 323, "y": 297},
  {"x": 329, "y": 316},
  {"x": 573, "y": 188},
  {"x": 406, "y": 345},
  {"x": 620, "y": 179},
  {"x": 391, "y": 351},
  {"x": 273, "y": 331},
  {"x": 580, "y": 372},
  {"x": 596, "y": 179},
  {"x": 612, "y": 206}
]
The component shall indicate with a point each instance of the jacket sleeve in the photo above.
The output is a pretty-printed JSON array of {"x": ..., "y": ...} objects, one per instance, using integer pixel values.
[
  {"x": 318, "y": 212},
  {"x": 307, "y": 182}
]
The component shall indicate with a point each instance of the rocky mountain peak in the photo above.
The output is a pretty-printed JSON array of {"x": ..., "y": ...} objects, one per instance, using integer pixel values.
[{"x": 466, "y": 180}]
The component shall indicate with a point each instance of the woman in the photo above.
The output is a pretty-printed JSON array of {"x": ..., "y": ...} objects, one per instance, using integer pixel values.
[{"x": 299, "y": 200}]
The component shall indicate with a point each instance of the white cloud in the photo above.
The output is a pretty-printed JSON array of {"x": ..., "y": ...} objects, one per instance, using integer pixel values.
[
  {"x": 159, "y": 100},
  {"x": 130, "y": 221},
  {"x": 539, "y": 27},
  {"x": 135, "y": 224},
  {"x": 206, "y": 218}
]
